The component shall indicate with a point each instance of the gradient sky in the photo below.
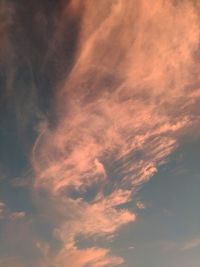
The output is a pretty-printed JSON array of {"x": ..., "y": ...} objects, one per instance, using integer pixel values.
[{"x": 99, "y": 133}]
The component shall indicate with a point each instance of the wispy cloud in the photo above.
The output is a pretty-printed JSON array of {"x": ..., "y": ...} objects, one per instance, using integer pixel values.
[
  {"x": 128, "y": 90},
  {"x": 6, "y": 214},
  {"x": 120, "y": 113},
  {"x": 191, "y": 244},
  {"x": 93, "y": 257},
  {"x": 179, "y": 247}
]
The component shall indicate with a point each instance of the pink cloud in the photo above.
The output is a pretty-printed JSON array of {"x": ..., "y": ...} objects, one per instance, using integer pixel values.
[
  {"x": 17, "y": 215},
  {"x": 121, "y": 112},
  {"x": 5, "y": 213},
  {"x": 191, "y": 244},
  {"x": 92, "y": 257}
]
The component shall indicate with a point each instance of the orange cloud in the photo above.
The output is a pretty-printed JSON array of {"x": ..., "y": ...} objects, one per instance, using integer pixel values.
[
  {"x": 93, "y": 257},
  {"x": 120, "y": 113}
]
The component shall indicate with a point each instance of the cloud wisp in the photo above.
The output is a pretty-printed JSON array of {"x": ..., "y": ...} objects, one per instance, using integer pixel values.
[{"x": 191, "y": 244}]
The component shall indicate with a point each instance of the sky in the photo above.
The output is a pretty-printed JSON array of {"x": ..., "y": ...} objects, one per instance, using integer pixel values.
[{"x": 99, "y": 133}]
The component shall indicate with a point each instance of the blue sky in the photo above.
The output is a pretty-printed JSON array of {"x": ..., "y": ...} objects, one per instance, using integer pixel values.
[{"x": 167, "y": 232}]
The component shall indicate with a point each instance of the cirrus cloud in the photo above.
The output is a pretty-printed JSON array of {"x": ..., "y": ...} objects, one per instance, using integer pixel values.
[{"x": 120, "y": 113}]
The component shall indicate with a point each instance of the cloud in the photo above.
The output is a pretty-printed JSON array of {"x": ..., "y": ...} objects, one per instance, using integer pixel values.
[
  {"x": 17, "y": 215},
  {"x": 121, "y": 111},
  {"x": 107, "y": 221},
  {"x": 182, "y": 246},
  {"x": 6, "y": 214},
  {"x": 2, "y": 210},
  {"x": 91, "y": 257},
  {"x": 140, "y": 205},
  {"x": 190, "y": 245},
  {"x": 114, "y": 85}
]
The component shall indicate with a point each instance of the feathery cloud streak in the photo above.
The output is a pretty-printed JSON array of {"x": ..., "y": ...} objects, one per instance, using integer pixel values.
[
  {"x": 129, "y": 96},
  {"x": 128, "y": 91}
]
